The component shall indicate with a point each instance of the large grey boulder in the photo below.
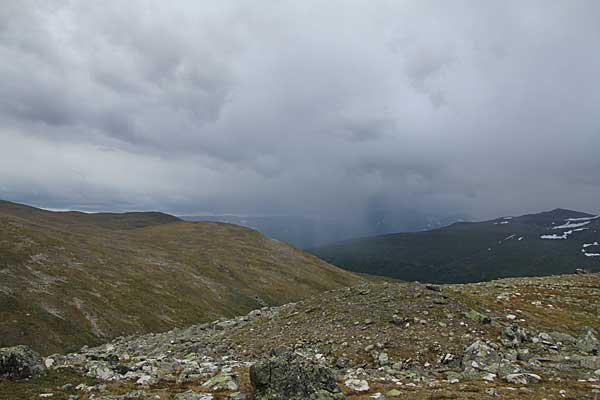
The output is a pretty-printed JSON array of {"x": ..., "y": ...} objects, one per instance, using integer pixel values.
[
  {"x": 290, "y": 376},
  {"x": 20, "y": 362}
]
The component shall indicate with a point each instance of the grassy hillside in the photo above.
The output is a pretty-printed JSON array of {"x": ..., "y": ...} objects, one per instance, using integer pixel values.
[
  {"x": 68, "y": 279},
  {"x": 530, "y": 245}
]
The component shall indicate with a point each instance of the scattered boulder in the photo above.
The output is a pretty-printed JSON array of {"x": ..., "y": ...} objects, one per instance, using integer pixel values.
[
  {"x": 587, "y": 362},
  {"x": 515, "y": 334},
  {"x": 397, "y": 320},
  {"x": 20, "y": 362},
  {"x": 221, "y": 326},
  {"x": 383, "y": 359},
  {"x": 563, "y": 338},
  {"x": 147, "y": 380},
  {"x": 342, "y": 362},
  {"x": 191, "y": 395},
  {"x": 101, "y": 371},
  {"x": 481, "y": 356},
  {"x": 522, "y": 378},
  {"x": 288, "y": 375},
  {"x": 545, "y": 338},
  {"x": 357, "y": 385},
  {"x": 478, "y": 317},
  {"x": 588, "y": 343},
  {"x": 222, "y": 382},
  {"x": 480, "y": 359}
]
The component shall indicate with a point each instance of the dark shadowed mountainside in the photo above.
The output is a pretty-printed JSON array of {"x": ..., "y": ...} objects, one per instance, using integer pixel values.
[{"x": 547, "y": 243}]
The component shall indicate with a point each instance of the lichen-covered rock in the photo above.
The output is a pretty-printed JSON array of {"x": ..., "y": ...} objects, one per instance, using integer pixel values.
[
  {"x": 357, "y": 385},
  {"x": 478, "y": 317},
  {"x": 563, "y": 338},
  {"x": 222, "y": 382},
  {"x": 522, "y": 378},
  {"x": 288, "y": 375},
  {"x": 20, "y": 362},
  {"x": 588, "y": 343},
  {"x": 191, "y": 395},
  {"x": 515, "y": 335},
  {"x": 482, "y": 358}
]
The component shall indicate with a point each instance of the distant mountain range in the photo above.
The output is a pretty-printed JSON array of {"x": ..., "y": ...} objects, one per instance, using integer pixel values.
[
  {"x": 308, "y": 232},
  {"x": 552, "y": 242},
  {"x": 70, "y": 278}
]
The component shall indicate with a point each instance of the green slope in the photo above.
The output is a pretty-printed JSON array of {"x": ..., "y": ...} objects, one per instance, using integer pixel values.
[
  {"x": 470, "y": 252},
  {"x": 68, "y": 279}
]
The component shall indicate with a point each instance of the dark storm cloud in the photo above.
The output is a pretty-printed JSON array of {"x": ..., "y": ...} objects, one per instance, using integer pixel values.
[{"x": 482, "y": 108}]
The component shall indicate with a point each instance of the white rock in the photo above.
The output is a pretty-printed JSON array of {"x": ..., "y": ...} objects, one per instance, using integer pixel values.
[
  {"x": 358, "y": 385},
  {"x": 145, "y": 380},
  {"x": 489, "y": 377},
  {"x": 383, "y": 359},
  {"x": 104, "y": 373},
  {"x": 522, "y": 379},
  {"x": 82, "y": 387}
]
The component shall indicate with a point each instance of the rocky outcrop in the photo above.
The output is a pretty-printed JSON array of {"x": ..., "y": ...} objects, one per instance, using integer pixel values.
[
  {"x": 287, "y": 375},
  {"x": 20, "y": 362}
]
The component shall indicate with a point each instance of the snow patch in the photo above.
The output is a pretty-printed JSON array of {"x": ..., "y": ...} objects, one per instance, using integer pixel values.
[
  {"x": 582, "y": 219},
  {"x": 508, "y": 237},
  {"x": 564, "y": 235},
  {"x": 554, "y": 236},
  {"x": 586, "y": 245},
  {"x": 571, "y": 225}
]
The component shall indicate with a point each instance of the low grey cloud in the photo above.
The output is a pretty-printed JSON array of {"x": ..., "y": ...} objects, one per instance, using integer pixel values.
[{"x": 310, "y": 108}]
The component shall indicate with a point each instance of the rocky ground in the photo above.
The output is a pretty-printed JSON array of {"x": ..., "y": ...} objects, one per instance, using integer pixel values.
[{"x": 526, "y": 338}]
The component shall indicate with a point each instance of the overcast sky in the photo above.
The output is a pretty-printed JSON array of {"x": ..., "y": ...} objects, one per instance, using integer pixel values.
[{"x": 301, "y": 107}]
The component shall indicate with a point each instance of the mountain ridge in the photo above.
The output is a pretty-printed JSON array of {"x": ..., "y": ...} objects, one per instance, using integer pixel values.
[{"x": 134, "y": 219}]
